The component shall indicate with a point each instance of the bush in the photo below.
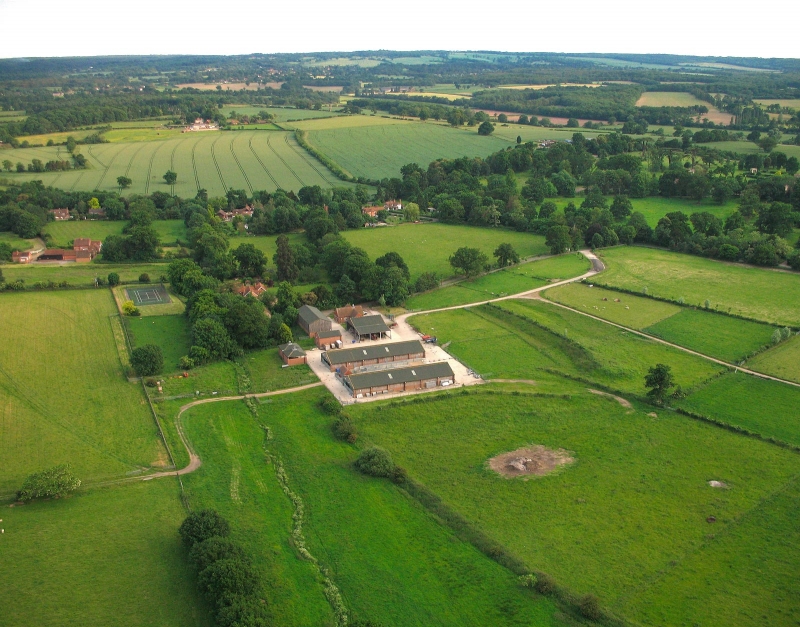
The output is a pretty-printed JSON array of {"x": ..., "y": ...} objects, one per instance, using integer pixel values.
[
  {"x": 545, "y": 584},
  {"x": 589, "y": 606},
  {"x": 151, "y": 382},
  {"x": 375, "y": 462},
  {"x": 129, "y": 309},
  {"x": 213, "y": 549},
  {"x": 528, "y": 581},
  {"x": 147, "y": 360},
  {"x": 330, "y": 405},
  {"x": 113, "y": 279},
  {"x": 54, "y": 481},
  {"x": 228, "y": 577},
  {"x": 186, "y": 363},
  {"x": 344, "y": 429},
  {"x": 202, "y": 525},
  {"x": 144, "y": 278}
]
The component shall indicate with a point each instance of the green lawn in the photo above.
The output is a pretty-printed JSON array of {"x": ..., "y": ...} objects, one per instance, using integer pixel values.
[
  {"x": 63, "y": 394},
  {"x": 759, "y": 405},
  {"x": 80, "y": 274},
  {"x": 427, "y": 247},
  {"x": 15, "y": 241},
  {"x": 267, "y": 374},
  {"x": 109, "y": 556},
  {"x": 769, "y": 295},
  {"x": 526, "y": 276},
  {"x": 656, "y": 207},
  {"x": 171, "y": 333},
  {"x": 632, "y": 506},
  {"x": 61, "y": 233},
  {"x": 782, "y": 361}
]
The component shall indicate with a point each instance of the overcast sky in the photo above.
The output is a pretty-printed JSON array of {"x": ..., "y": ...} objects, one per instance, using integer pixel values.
[{"x": 46, "y": 28}]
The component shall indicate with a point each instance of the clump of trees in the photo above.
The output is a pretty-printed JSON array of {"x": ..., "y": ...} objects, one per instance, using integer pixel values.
[
  {"x": 147, "y": 360},
  {"x": 376, "y": 462},
  {"x": 53, "y": 482}
]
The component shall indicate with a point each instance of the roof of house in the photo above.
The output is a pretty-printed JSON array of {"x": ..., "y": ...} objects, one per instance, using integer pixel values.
[
  {"x": 292, "y": 350},
  {"x": 399, "y": 375},
  {"x": 309, "y": 314},
  {"x": 327, "y": 334},
  {"x": 375, "y": 351},
  {"x": 369, "y": 324},
  {"x": 350, "y": 310}
]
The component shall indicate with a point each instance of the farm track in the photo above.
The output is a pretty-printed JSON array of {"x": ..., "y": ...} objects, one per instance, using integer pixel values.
[
  {"x": 275, "y": 152},
  {"x": 130, "y": 163},
  {"x": 172, "y": 163},
  {"x": 255, "y": 154},
  {"x": 150, "y": 168},
  {"x": 107, "y": 167},
  {"x": 306, "y": 157},
  {"x": 239, "y": 165},
  {"x": 216, "y": 165},
  {"x": 194, "y": 167}
]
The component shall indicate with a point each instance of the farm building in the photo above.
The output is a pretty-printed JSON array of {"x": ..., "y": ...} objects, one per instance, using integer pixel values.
[
  {"x": 328, "y": 339},
  {"x": 393, "y": 205},
  {"x": 83, "y": 251},
  {"x": 255, "y": 290},
  {"x": 371, "y": 326},
  {"x": 312, "y": 321},
  {"x": 425, "y": 377},
  {"x": 201, "y": 125},
  {"x": 343, "y": 314},
  {"x": 351, "y": 358},
  {"x": 371, "y": 211},
  {"x": 60, "y": 214},
  {"x": 227, "y": 216},
  {"x": 22, "y": 256},
  {"x": 292, "y": 354},
  {"x": 58, "y": 254},
  {"x": 96, "y": 214}
]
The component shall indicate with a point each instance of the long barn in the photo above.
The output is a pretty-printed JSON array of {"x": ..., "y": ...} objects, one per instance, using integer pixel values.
[
  {"x": 424, "y": 377},
  {"x": 351, "y": 358}
]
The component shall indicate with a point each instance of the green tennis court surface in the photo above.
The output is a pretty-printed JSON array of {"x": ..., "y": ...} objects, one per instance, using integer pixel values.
[{"x": 150, "y": 295}]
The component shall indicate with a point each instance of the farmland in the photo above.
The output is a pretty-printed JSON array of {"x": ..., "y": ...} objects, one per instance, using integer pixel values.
[
  {"x": 526, "y": 276},
  {"x": 427, "y": 247},
  {"x": 683, "y": 99},
  {"x": 52, "y": 345},
  {"x": 79, "y": 274},
  {"x": 282, "y": 114},
  {"x": 732, "y": 288},
  {"x": 632, "y": 505},
  {"x": 782, "y": 361},
  {"x": 61, "y": 233},
  {"x": 171, "y": 333}
]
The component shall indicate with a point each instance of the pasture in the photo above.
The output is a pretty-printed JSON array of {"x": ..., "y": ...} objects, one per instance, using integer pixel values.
[
  {"x": 427, "y": 247},
  {"x": 63, "y": 394},
  {"x": 526, "y": 276},
  {"x": 630, "y": 508},
  {"x": 282, "y": 114},
  {"x": 15, "y": 241},
  {"x": 107, "y": 556},
  {"x": 62, "y": 233},
  {"x": 771, "y": 296},
  {"x": 792, "y": 103},
  {"x": 781, "y": 361},
  {"x": 720, "y": 336},
  {"x": 215, "y": 161},
  {"x": 79, "y": 274}
]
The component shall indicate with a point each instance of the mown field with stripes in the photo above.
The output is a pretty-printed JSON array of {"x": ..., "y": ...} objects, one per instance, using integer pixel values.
[{"x": 249, "y": 160}]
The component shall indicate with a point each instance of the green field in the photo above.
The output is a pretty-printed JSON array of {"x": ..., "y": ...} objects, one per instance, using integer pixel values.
[
  {"x": 723, "y": 337},
  {"x": 282, "y": 114},
  {"x": 380, "y": 150},
  {"x": 526, "y": 276},
  {"x": 109, "y": 556},
  {"x": 248, "y": 160},
  {"x": 80, "y": 274},
  {"x": 631, "y": 507},
  {"x": 769, "y": 295},
  {"x": 427, "y": 247},
  {"x": 15, "y": 241},
  {"x": 171, "y": 333},
  {"x": 61, "y": 233},
  {"x": 63, "y": 396},
  {"x": 782, "y": 361}
]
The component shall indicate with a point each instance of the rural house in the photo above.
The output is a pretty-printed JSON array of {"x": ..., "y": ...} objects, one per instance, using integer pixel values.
[
  {"x": 97, "y": 214},
  {"x": 393, "y": 205},
  {"x": 227, "y": 216},
  {"x": 292, "y": 354},
  {"x": 255, "y": 290},
  {"x": 60, "y": 214},
  {"x": 371, "y": 211},
  {"x": 423, "y": 377},
  {"x": 311, "y": 320},
  {"x": 343, "y": 314},
  {"x": 348, "y": 359},
  {"x": 83, "y": 251}
]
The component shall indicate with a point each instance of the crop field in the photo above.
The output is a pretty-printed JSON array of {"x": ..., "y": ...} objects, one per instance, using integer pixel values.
[
  {"x": 79, "y": 274},
  {"x": 732, "y": 288},
  {"x": 379, "y": 151},
  {"x": 249, "y": 160},
  {"x": 113, "y": 557},
  {"x": 61, "y": 233},
  {"x": 54, "y": 344},
  {"x": 723, "y": 337},
  {"x": 768, "y": 408},
  {"x": 171, "y": 333},
  {"x": 630, "y": 508},
  {"x": 781, "y": 361},
  {"x": 683, "y": 99},
  {"x": 792, "y": 103},
  {"x": 376, "y": 539},
  {"x": 282, "y": 114},
  {"x": 427, "y": 247},
  {"x": 526, "y": 276}
]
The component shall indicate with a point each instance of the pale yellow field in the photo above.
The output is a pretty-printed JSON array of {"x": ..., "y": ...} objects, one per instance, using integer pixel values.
[
  {"x": 682, "y": 99},
  {"x": 792, "y": 103},
  {"x": 344, "y": 121},
  {"x": 551, "y": 85},
  {"x": 229, "y": 86}
]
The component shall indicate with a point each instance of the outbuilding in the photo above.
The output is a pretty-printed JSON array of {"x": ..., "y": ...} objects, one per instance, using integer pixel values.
[
  {"x": 328, "y": 339},
  {"x": 373, "y": 327},
  {"x": 424, "y": 377},
  {"x": 347, "y": 359},
  {"x": 292, "y": 354},
  {"x": 312, "y": 321}
]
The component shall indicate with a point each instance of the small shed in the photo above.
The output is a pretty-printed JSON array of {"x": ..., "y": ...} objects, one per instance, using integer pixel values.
[
  {"x": 311, "y": 320},
  {"x": 328, "y": 339},
  {"x": 292, "y": 354}
]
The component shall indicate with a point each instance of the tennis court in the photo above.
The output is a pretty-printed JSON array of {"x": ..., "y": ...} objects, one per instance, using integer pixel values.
[{"x": 148, "y": 295}]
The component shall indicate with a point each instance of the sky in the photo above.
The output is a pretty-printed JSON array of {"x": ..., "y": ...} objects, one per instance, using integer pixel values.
[{"x": 49, "y": 28}]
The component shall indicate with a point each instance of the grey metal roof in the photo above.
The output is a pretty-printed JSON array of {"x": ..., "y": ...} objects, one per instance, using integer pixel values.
[
  {"x": 399, "y": 375},
  {"x": 331, "y": 333},
  {"x": 309, "y": 314},
  {"x": 369, "y": 324},
  {"x": 292, "y": 350},
  {"x": 373, "y": 351}
]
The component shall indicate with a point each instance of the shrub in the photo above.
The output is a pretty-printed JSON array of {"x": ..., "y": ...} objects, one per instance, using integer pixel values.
[
  {"x": 528, "y": 581},
  {"x": 151, "y": 382},
  {"x": 213, "y": 549},
  {"x": 54, "y": 481},
  {"x": 376, "y": 462},
  {"x": 129, "y": 309},
  {"x": 589, "y": 606},
  {"x": 144, "y": 278},
  {"x": 545, "y": 584},
  {"x": 202, "y": 525},
  {"x": 147, "y": 360},
  {"x": 186, "y": 363},
  {"x": 330, "y": 405},
  {"x": 113, "y": 279},
  {"x": 344, "y": 429},
  {"x": 228, "y": 577}
]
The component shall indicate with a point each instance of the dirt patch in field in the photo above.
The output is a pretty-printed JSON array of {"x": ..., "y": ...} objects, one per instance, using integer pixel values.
[
  {"x": 534, "y": 460},
  {"x": 619, "y": 399}
]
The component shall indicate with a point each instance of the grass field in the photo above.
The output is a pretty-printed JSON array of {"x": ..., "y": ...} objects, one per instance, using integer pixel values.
[
  {"x": 15, "y": 241},
  {"x": 282, "y": 114},
  {"x": 63, "y": 396},
  {"x": 723, "y": 337},
  {"x": 683, "y": 99},
  {"x": 80, "y": 274},
  {"x": 734, "y": 288},
  {"x": 792, "y": 103},
  {"x": 171, "y": 333},
  {"x": 427, "y": 247},
  {"x": 61, "y": 233},
  {"x": 526, "y": 276},
  {"x": 109, "y": 556},
  {"x": 759, "y": 405},
  {"x": 249, "y": 160},
  {"x": 380, "y": 150},
  {"x": 782, "y": 361},
  {"x": 632, "y": 506}
]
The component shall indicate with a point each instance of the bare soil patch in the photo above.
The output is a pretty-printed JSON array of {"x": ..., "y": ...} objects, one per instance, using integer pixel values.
[
  {"x": 534, "y": 460},
  {"x": 619, "y": 399}
]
